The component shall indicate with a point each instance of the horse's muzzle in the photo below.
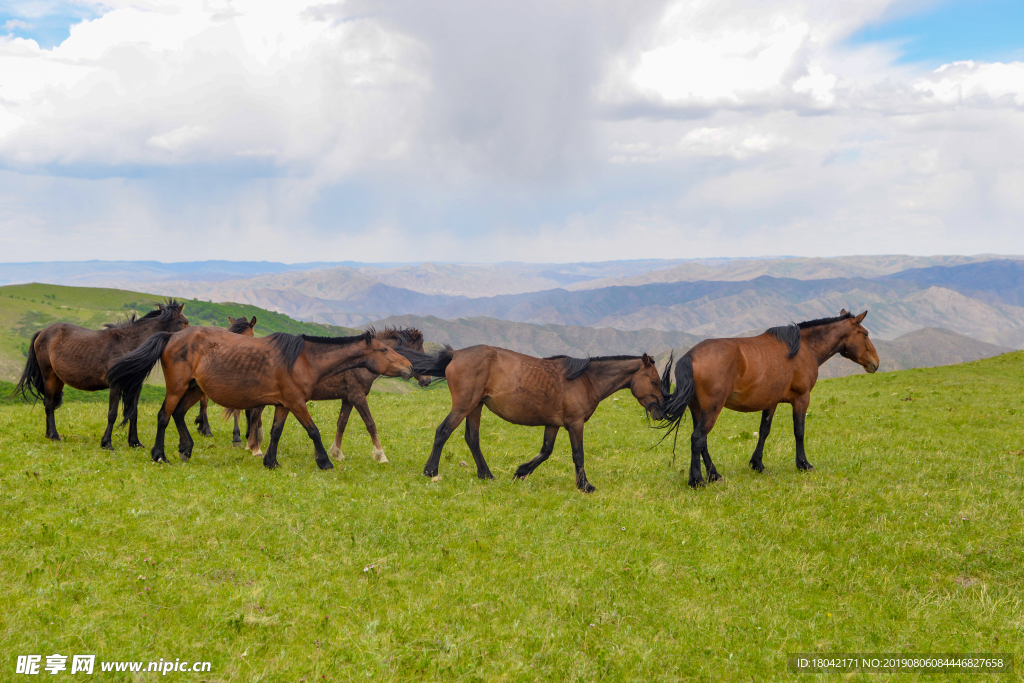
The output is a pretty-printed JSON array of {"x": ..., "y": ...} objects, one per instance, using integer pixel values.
[
  {"x": 655, "y": 411},
  {"x": 407, "y": 374},
  {"x": 423, "y": 381}
]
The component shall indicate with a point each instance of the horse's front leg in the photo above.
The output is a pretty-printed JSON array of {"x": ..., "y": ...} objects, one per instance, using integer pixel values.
[
  {"x": 163, "y": 418},
  {"x": 236, "y": 433},
  {"x": 133, "y": 425},
  {"x": 527, "y": 468},
  {"x": 762, "y": 436},
  {"x": 473, "y": 441},
  {"x": 53, "y": 396},
  {"x": 799, "y": 417},
  {"x": 576, "y": 440}
]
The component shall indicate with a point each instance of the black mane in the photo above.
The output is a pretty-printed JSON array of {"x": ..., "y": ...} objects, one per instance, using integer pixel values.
[
  {"x": 406, "y": 336},
  {"x": 788, "y": 335},
  {"x": 574, "y": 367},
  {"x": 291, "y": 345},
  {"x": 163, "y": 311},
  {"x": 825, "y": 321}
]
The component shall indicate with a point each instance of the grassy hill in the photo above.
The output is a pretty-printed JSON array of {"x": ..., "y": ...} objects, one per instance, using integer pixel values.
[
  {"x": 906, "y": 538},
  {"x": 26, "y": 309}
]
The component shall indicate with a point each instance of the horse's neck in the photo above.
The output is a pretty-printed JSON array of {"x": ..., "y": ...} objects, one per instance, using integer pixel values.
[
  {"x": 138, "y": 332},
  {"x": 607, "y": 377},
  {"x": 823, "y": 342},
  {"x": 326, "y": 358}
]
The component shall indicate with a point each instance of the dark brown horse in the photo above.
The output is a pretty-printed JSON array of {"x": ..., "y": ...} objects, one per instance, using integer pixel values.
[
  {"x": 550, "y": 392},
  {"x": 759, "y": 373},
  {"x": 352, "y": 387},
  {"x": 246, "y": 328},
  {"x": 244, "y": 372},
  {"x": 68, "y": 354}
]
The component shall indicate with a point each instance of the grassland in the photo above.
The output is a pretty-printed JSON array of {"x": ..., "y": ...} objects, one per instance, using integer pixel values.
[
  {"x": 26, "y": 309},
  {"x": 906, "y": 538}
]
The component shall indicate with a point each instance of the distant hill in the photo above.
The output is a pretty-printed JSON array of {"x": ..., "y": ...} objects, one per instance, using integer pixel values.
[
  {"x": 1000, "y": 281},
  {"x": 26, "y": 309},
  {"x": 542, "y": 340}
]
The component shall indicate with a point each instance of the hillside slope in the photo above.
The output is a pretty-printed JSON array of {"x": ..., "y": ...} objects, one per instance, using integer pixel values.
[{"x": 26, "y": 309}]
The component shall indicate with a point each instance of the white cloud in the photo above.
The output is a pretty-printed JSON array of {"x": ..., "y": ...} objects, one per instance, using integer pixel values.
[{"x": 500, "y": 130}]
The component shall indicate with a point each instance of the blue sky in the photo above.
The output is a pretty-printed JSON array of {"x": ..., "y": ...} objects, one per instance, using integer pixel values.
[
  {"x": 955, "y": 30},
  {"x": 47, "y": 22}
]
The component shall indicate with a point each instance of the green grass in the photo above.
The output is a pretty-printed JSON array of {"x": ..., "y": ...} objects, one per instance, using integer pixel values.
[
  {"x": 906, "y": 538},
  {"x": 26, "y": 309}
]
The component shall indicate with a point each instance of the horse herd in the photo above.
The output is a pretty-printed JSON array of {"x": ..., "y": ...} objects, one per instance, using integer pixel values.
[{"x": 244, "y": 373}]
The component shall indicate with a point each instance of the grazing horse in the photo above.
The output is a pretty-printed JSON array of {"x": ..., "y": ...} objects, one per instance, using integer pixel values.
[
  {"x": 550, "y": 392},
  {"x": 68, "y": 354},
  {"x": 759, "y": 373},
  {"x": 245, "y": 328},
  {"x": 244, "y": 372},
  {"x": 352, "y": 387}
]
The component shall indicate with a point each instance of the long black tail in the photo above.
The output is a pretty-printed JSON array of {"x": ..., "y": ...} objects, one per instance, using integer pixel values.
[
  {"x": 677, "y": 403},
  {"x": 129, "y": 372},
  {"x": 426, "y": 364},
  {"x": 31, "y": 386}
]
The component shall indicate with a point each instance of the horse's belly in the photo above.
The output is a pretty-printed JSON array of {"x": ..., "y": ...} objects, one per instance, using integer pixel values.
[{"x": 517, "y": 412}]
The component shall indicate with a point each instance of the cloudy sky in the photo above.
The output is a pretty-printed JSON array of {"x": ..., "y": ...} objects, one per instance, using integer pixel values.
[{"x": 494, "y": 130}]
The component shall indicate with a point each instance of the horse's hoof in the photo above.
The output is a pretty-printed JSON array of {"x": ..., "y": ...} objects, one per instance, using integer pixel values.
[
  {"x": 697, "y": 483},
  {"x": 378, "y": 455},
  {"x": 56, "y": 437},
  {"x": 427, "y": 472},
  {"x": 185, "y": 456},
  {"x": 757, "y": 467},
  {"x": 258, "y": 453},
  {"x": 236, "y": 444},
  {"x": 522, "y": 473},
  {"x": 107, "y": 446},
  {"x": 325, "y": 464},
  {"x": 335, "y": 452},
  {"x": 588, "y": 488},
  {"x": 714, "y": 476},
  {"x": 135, "y": 444},
  {"x": 485, "y": 475}
]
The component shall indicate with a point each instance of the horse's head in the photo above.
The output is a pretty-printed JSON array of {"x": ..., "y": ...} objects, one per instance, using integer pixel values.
[
  {"x": 855, "y": 343},
  {"x": 171, "y": 316},
  {"x": 646, "y": 387},
  {"x": 242, "y": 326},
  {"x": 406, "y": 338},
  {"x": 381, "y": 359}
]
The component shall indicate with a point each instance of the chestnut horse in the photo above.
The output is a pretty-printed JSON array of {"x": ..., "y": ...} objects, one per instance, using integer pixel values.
[
  {"x": 245, "y": 328},
  {"x": 68, "y": 354},
  {"x": 245, "y": 372},
  {"x": 352, "y": 387},
  {"x": 759, "y": 373},
  {"x": 550, "y": 392}
]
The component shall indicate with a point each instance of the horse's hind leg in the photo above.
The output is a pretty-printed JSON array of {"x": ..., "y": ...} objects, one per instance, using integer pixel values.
[
  {"x": 188, "y": 399},
  {"x": 53, "y": 396},
  {"x": 270, "y": 458},
  {"x": 163, "y": 418},
  {"x": 343, "y": 413},
  {"x": 364, "y": 412},
  {"x": 473, "y": 441},
  {"x": 236, "y": 434},
  {"x": 203, "y": 419},
  {"x": 441, "y": 436},
  {"x": 703, "y": 423},
  {"x": 527, "y": 468},
  {"x": 133, "y": 425},
  {"x": 105, "y": 441},
  {"x": 762, "y": 436},
  {"x": 799, "y": 416},
  {"x": 254, "y": 430}
]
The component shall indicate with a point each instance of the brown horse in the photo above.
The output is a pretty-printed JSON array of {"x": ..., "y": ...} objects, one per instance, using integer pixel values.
[
  {"x": 78, "y": 357},
  {"x": 759, "y": 373},
  {"x": 352, "y": 387},
  {"x": 551, "y": 392},
  {"x": 244, "y": 372},
  {"x": 246, "y": 328}
]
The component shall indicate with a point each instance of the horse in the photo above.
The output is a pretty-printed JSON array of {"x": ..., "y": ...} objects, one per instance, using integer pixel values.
[
  {"x": 238, "y": 326},
  {"x": 352, "y": 387},
  {"x": 553, "y": 392},
  {"x": 245, "y": 372},
  {"x": 758, "y": 373},
  {"x": 64, "y": 353}
]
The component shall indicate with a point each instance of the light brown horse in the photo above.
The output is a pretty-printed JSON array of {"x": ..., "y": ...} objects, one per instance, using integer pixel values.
[
  {"x": 759, "y": 373},
  {"x": 540, "y": 392},
  {"x": 352, "y": 387},
  {"x": 246, "y": 328},
  {"x": 78, "y": 357},
  {"x": 245, "y": 372}
]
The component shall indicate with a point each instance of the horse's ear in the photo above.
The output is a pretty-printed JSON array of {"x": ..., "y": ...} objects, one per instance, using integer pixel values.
[
  {"x": 860, "y": 318},
  {"x": 843, "y": 312},
  {"x": 648, "y": 361},
  {"x": 252, "y": 323},
  {"x": 231, "y": 321},
  {"x": 181, "y": 307}
]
